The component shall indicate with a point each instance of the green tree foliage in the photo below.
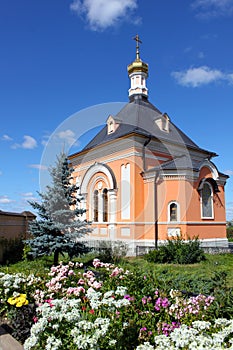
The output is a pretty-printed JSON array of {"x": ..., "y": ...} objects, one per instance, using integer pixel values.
[
  {"x": 59, "y": 226},
  {"x": 177, "y": 251},
  {"x": 230, "y": 230},
  {"x": 11, "y": 250}
]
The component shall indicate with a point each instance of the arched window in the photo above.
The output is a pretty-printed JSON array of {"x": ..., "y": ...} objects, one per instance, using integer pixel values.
[
  {"x": 95, "y": 206},
  {"x": 173, "y": 212},
  {"x": 207, "y": 201},
  {"x": 110, "y": 127},
  {"x": 105, "y": 204}
]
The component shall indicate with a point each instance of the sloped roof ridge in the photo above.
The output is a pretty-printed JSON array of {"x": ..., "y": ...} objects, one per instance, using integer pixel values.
[
  {"x": 175, "y": 162},
  {"x": 136, "y": 103},
  {"x": 139, "y": 116}
]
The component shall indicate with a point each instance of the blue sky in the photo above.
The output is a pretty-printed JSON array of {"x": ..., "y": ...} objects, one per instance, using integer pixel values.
[{"x": 60, "y": 57}]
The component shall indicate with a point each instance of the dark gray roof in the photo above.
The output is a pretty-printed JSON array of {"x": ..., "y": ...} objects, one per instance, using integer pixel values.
[
  {"x": 182, "y": 162},
  {"x": 139, "y": 116}
]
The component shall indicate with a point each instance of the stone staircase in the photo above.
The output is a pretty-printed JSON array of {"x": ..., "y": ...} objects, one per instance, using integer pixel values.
[{"x": 7, "y": 342}]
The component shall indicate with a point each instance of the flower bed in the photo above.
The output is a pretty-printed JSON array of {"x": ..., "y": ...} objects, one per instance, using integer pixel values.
[{"x": 106, "y": 307}]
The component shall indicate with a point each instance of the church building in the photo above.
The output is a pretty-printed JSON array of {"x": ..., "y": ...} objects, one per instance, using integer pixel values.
[{"x": 143, "y": 181}]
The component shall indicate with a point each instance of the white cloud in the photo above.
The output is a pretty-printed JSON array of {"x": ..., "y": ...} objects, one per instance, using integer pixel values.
[
  {"x": 6, "y": 138},
  {"x": 27, "y": 194},
  {"x": 229, "y": 211},
  {"x": 101, "y": 14},
  {"x": 203, "y": 75},
  {"x": 201, "y": 54},
  {"x": 38, "y": 166},
  {"x": 6, "y": 200},
  {"x": 68, "y": 136},
  {"x": 28, "y": 143},
  {"x": 45, "y": 140},
  {"x": 213, "y": 8},
  {"x": 230, "y": 78},
  {"x": 228, "y": 172},
  {"x": 188, "y": 49}
]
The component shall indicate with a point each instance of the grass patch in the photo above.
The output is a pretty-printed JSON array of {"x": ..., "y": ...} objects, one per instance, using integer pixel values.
[
  {"x": 219, "y": 264},
  {"x": 214, "y": 264},
  {"x": 38, "y": 266}
]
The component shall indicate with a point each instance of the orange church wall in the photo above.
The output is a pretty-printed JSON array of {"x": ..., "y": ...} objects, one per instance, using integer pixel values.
[
  {"x": 141, "y": 223},
  {"x": 203, "y": 231},
  {"x": 194, "y": 209},
  {"x": 168, "y": 191},
  {"x": 187, "y": 197}
]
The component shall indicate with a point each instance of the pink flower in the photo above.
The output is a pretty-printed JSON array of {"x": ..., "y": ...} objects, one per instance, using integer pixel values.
[
  {"x": 144, "y": 300},
  {"x": 97, "y": 285},
  {"x": 143, "y": 329},
  {"x": 161, "y": 303},
  {"x": 128, "y": 297},
  {"x": 81, "y": 281},
  {"x": 96, "y": 263},
  {"x": 49, "y": 301}
]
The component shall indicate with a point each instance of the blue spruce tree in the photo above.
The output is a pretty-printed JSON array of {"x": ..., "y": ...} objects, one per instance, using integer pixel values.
[{"x": 59, "y": 226}]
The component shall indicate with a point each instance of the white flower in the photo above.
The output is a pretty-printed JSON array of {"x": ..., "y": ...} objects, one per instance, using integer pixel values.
[
  {"x": 163, "y": 341},
  {"x": 145, "y": 346},
  {"x": 121, "y": 290},
  {"x": 201, "y": 325},
  {"x": 108, "y": 294},
  {"x": 220, "y": 322},
  {"x": 183, "y": 336},
  {"x": 52, "y": 343},
  {"x": 112, "y": 342},
  {"x": 30, "y": 342}
]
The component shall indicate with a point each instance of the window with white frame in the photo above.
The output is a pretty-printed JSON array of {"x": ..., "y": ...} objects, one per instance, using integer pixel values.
[
  {"x": 95, "y": 206},
  {"x": 173, "y": 212},
  {"x": 100, "y": 205},
  {"x": 207, "y": 201},
  {"x": 105, "y": 205}
]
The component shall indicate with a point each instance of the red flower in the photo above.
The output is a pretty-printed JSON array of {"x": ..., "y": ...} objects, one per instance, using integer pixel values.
[{"x": 92, "y": 311}]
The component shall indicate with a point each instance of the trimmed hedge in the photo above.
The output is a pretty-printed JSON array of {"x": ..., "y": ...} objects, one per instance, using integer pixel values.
[
  {"x": 11, "y": 250},
  {"x": 177, "y": 251}
]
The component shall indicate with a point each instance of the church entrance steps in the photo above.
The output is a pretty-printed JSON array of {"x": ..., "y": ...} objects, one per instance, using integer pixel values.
[{"x": 7, "y": 342}]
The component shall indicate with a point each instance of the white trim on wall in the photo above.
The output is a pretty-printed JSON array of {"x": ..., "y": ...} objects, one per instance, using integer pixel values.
[{"x": 125, "y": 191}]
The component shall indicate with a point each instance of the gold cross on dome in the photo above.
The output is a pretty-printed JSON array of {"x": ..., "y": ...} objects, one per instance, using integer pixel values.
[{"x": 137, "y": 39}]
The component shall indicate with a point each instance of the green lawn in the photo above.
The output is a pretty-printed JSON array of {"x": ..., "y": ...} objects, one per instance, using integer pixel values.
[
  {"x": 185, "y": 276},
  {"x": 214, "y": 263}
]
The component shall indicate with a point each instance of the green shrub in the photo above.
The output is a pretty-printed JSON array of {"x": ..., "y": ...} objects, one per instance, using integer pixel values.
[
  {"x": 177, "y": 251},
  {"x": 26, "y": 253},
  {"x": 230, "y": 233},
  {"x": 12, "y": 250},
  {"x": 111, "y": 251}
]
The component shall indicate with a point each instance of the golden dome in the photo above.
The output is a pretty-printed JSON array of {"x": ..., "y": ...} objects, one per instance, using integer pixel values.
[{"x": 138, "y": 65}]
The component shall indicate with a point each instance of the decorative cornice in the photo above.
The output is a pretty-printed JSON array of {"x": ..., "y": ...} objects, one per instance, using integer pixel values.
[{"x": 180, "y": 223}]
